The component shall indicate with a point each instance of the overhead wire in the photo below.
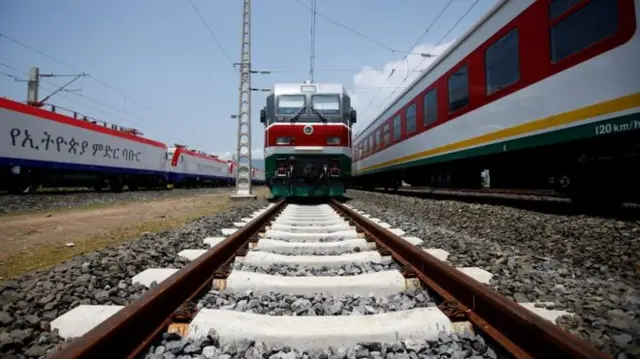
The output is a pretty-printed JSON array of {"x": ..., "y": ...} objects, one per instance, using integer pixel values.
[
  {"x": 354, "y": 31},
  {"x": 432, "y": 49},
  {"x": 393, "y": 69},
  {"x": 11, "y": 76},
  {"x": 98, "y": 80},
  {"x": 54, "y": 86},
  {"x": 88, "y": 98},
  {"x": 320, "y": 70},
  {"x": 213, "y": 36}
]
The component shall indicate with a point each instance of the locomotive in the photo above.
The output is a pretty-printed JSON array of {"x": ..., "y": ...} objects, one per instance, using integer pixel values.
[
  {"x": 45, "y": 147},
  {"x": 307, "y": 139},
  {"x": 539, "y": 94}
]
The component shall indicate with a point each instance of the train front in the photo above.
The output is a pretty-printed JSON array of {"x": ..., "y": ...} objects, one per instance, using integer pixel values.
[{"x": 308, "y": 140}]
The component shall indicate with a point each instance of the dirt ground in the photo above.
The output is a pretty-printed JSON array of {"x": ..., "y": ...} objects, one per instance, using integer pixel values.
[{"x": 39, "y": 240}]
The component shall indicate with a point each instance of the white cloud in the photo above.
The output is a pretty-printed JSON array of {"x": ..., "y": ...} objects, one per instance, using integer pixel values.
[
  {"x": 367, "y": 82},
  {"x": 224, "y": 155}
]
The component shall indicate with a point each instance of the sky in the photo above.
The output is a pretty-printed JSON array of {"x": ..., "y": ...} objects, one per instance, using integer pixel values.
[{"x": 154, "y": 65}]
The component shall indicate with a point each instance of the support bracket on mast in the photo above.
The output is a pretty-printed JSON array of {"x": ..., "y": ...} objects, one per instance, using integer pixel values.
[{"x": 34, "y": 86}]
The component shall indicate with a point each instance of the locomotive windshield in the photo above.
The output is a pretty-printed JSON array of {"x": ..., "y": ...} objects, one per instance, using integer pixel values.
[
  {"x": 326, "y": 104},
  {"x": 290, "y": 104}
]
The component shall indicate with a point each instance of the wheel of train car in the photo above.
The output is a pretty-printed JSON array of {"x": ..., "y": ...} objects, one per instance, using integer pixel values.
[
  {"x": 116, "y": 184},
  {"x": 593, "y": 188},
  {"x": 22, "y": 183},
  {"x": 18, "y": 188}
]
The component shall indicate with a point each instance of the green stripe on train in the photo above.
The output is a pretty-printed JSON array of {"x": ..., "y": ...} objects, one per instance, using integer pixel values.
[
  {"x": 270, "y": 162},
  {"x": 615, "y": 125},
  {"x": 333, "y": 190}
]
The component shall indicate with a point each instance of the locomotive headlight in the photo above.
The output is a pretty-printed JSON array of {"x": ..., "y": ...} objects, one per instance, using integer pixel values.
[
  {"x": 285, "y": 140},
  {"x": 333, "y": 140}
]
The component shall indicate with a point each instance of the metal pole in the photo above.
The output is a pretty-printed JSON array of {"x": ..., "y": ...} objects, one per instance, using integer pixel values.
[
  {"x": 32, "y": 86},
  {"x": 243, "y": 174}
]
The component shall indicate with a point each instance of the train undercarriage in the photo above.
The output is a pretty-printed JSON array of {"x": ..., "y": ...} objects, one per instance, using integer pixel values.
[
  {"x": 598, "y": 171},
  {"x": 25, "y": 179},
  {"x": 307, "y": 176}
]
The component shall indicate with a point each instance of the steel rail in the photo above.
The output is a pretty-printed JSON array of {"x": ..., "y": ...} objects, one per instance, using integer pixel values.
[
  {"x": 498, "y": 193},
  {"x": 121, "y": 335},
  {"x": 515, "y": 328}
]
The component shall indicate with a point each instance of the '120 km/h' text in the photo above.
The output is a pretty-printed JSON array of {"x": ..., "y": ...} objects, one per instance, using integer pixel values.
[{"x": 613, "y": 127}]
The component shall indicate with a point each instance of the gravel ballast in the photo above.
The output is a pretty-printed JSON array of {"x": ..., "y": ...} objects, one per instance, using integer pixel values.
[
  {"x": 300, "y": 271},
  {"x": 45, "y": 201},
  {"x": 28, "y": 303},
  {"x": 447, "y": 346},
  {"x": 585, "y": 265},
  {"x": 301, "y": 305}
]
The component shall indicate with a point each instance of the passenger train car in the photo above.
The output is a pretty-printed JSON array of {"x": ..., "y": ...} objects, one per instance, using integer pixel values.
[
  {"x": 43, "y": 147},
  {"x": 190, "y": 167},
  {"x": 307, "y": 139},
  {"x": 542, "y": 94}
]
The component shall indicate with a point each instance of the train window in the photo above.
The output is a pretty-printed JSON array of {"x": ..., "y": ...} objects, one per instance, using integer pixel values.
[
  {"x": 595, "y": 21},
  {"x": 397, "y": 128},
  {"x": 371, "y": 144},
  {"x": 290, "y": 104},
  {"x": 411, "y": 118},
  {"x": 386, "y": 138},
  {"x": 378, "y": 142},
  {"x": 327, "y": 104},
  {"x": 430, "y": 107},
  {"x": 559, "y": 7},
  {"x": 502, "y": 63},
  {"x": 459, "y": 89}
]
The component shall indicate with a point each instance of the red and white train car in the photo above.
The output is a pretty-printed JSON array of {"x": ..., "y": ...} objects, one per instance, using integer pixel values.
[
  {"x": 44, "y": 147},
  {"x": 195, "y": 168},
  {"x": 50, "y": 149},
  {"x": 541, "y": 93},
  {"x": 257, "y": 174}
]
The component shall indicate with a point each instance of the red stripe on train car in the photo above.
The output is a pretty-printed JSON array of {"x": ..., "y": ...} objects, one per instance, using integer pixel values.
[
  {"x": 321, "y": 131},
  {"x": 180, "y": 151}
]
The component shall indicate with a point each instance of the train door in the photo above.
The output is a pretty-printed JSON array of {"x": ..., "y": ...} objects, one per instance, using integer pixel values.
[{"x": 183, "y": 165}]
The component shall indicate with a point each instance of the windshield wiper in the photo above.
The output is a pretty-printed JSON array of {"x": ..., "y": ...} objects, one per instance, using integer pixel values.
[
  {"x": 324, "y": 119},
  {"x": 295, "y": 117}
]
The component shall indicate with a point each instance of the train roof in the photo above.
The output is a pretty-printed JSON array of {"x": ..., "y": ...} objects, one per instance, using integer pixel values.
[
  {"x": 435, "y": 63},
  {"x": 296, "y": 88}
]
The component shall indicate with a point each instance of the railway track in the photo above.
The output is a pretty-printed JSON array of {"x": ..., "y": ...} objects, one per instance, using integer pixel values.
[{"x": 322, "y": 239}]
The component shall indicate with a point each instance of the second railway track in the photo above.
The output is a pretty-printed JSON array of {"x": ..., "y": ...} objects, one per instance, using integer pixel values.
[{"x": 401, "y": 299}]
